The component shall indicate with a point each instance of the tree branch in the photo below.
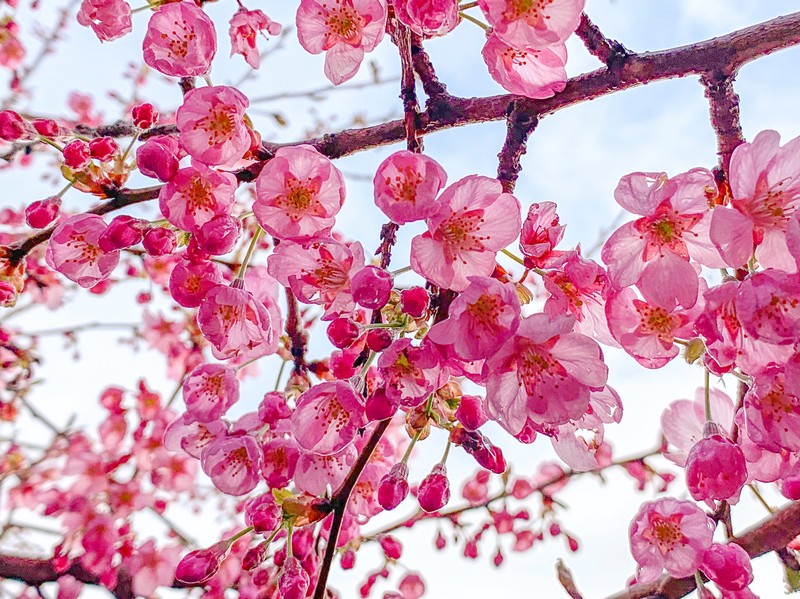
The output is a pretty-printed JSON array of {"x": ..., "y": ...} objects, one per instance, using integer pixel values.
[
  {"x": 608, "y": 51},
  {"x": 520, "y": 125},
  {"x": 724, "y": 108}
]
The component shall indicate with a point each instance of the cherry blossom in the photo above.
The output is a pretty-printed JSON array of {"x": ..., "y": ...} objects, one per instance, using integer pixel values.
[
  {"x": 536, "y": 23},
  {"x": 535, "y": 72},
  {"x": 344, "y": 29},
  {"x": 245, "y": 25},
  {"x": 411, "y": 373},
  {"x": 180, "y": 40},
  {"x": 195, "y": 195},
  {"x": 209, "y": 390},
  {"x": 428, "y": 18},
  {"x": 406, "y": 184},
  {"x": 327, "y": 417},
  {"x": 233, "y": 464},
  {"x": 109, "y": 19},
  {"x": 475, "y": 220},
  {"x": 74, "y": 250},
  {"x": 298, "y": 194}
]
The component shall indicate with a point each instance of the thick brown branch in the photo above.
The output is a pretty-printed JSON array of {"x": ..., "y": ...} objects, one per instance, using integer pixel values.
[
  {"x": 609, "y": 52},
  {"x": 724, "y": 108},
  {"x": 424, "y": 68},
  {"x": 520, "y": 125},
  {"x": 771, "y": 534},
  {"x": 298, "y": 338}
]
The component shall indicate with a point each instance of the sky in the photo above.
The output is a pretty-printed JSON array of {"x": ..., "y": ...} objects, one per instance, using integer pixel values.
[{"x": 575, "y": 158}]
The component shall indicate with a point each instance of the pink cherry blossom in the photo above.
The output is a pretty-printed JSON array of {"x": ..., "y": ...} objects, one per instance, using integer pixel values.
[
  {"x": 536, "y": 23},
  {"x": 153, "y": 567},
  {"x": 535, "y": 72},
  {"x": 344, "y": 29},
  {"x": 298, "y": 194},
  {"x": 716, "y": 469},
  {"x": 180, "y": 40},
  {"x": 669, "y": 534},
  {"x": 480, "y": 319},
  {"x": 245, "y": 25},
  {"x": 233, "y": 464},
  {"x": 765, "y": 183},
  {"x": 318, "y": 272},
  {"x": 428, "y": 18},
  {"x": 209, "y": 390},
  {"x": 406, "y": 184},
  {"x": 648, "y": 332},
  {"x": 541, "y": 232},
  {"x": 654, "y": 251},
  {"x": 772, "y": 409},
  {"x": 191, "y": 280},
  {"x": 196, "y": 195},
  {"x": 186, "y": 434},
  {"x": 74, "y": 250},
  {"x": 475, "y": 220},
  {"x": 280, "y": 462},
  {"x": 411, "y": 373},
  {"x": 728, "y": 566},
  {"x": 234, "y": 321},
  {"x": 211, "y": 124},
  {"x": 393, "y": 488},
  {"x": 158, "y": 157},
  {"x": 544, "y": 372},
  {"x": 768, "y": 306},
  {"x": 327, "y": 417},
  {"x": 315, "y": 472},
  {"x": 109, "y": 19}
]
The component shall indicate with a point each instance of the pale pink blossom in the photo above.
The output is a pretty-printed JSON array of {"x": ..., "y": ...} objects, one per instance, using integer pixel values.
[
  {"x": 541, "y": 232},
  {"x": 475, "y": 220},
  {"x": 109, "y": 19},
  {"x": 406, "y": 184},
  {"x": 768, "y": 306},
  {"x": 233, "y": 464},
  {"x": 654, "y": 251},
  {"x": 536, "y": 23},
  {"x": 544, "y": 372},
  {"x": 209, "y": 390},
  {"x": 153, "y": 567},
  {"x": 765, "y": 184},
  {"x": 280, "y": 461},
  {"x": 180, "y": 40},
  {"x": 772, "y": 408},
  {"x": 327, "y": 417},
  {"x": 669, "y": 534},
  {"x": 298, "y": 194},
  {"x": 535, "y": 72},
  {"x": 479, "y": 320},
  {"x": 344, "y": 29},
  {"x": 411, "y": 373},
  {"x": 315, "y": 472},
  {"x": 428, "y": 18},
  {"x": 12, "y": 52},
  {"x": 211, "y": 124},
  {"x": 196, "y": 195},
  {"x": 74, "y": 250},
  {"x": 245, "y": 25}
]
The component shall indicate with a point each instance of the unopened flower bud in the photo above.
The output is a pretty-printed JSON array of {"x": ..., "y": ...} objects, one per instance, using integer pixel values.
[
  {"x": 414, "y": 301},
  {"x": 122, "y": 232},
  {"x": 255, "y": 556},
  {"x": 379, "y": 406},
  {"x": 392, "y": 547},
  {"x": 371, "y": 287},
  {"x": 144, "y": 115},
  {"x": 378, "y": 339},
  {"x": 343, "y": 332},
  {"x": 200, "y": 565},
  {"x": 470, "y": 412},
  {"x": 12, "y": 127},
  {"x": 393, "y": 488},
  {"x": 294, "y": 580},
  {"x": 42, "y": 213},
  {"x": 434, "y": 490},
  {"x": 160, "y": 241},
  {"x": 219, "y": 235},
  {"x": 715, "y": 469},
  {"x": 77, "y": 154},
  {"x": 45, "y": 127},
  {"x": 348, "y": 560},
  {"x": 103, "y": 148}
]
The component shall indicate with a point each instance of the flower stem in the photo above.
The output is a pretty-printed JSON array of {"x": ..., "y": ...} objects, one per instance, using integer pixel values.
[
  {"x": 760, "y": 498},
  {"x": 414, "y": 440},
  {"x": 280, "y": 374},
  {"x": 400, "y": 271},
  {"x": 513, "y": 256},
  {"x": 239, "y": 535},
  {"x": 251, "y": 248},
  {"x": 467, "y": 5},
  {"x": 707, "y": 396},
  {"x": 478, "y": 22}
]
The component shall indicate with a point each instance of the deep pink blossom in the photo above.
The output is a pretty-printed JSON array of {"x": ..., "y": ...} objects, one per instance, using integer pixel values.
[
  {"x": 434, "y": 490},
  {"x": 234, "y": 321},
  {"x": 74, "y": 251},
  {"x": 475, "y": 220},
  {"x": 716, "y": 469},
  {"x": 345, "y": 30},
  {"x": 233, "y": 464},
  {"x": 198, "y": 566},
  {"x": 541, "y": 232},
  {"x": 109, "y": 19},
  {"x": 772, "y": 409},
  {"x": 535, "y": 72},
  {"x": 411, "y": 372},
  {"x": 191, "y": 280},
  {"x": 479, "y": 320},
  {"x": 196, "y": 195},
  {"x": 768, "y": 306},
  {"x": 327, "y": 417},
  {"x": 428, "y": 18},
  {"x": 245, "y": 25},
  {"x": 393, "y": 488},
  {"x": 158, "y": 157},
  {"x": 180, "y": 40},
  {"x": 654, "y": 251},
  {"x": 209, "y": 390},
  {"x": 318, "y": 272},
  {"x": 42, "y": 213},
  {"x": 406, "y": 184},
  {"x": 280, "y": 462},
  {"x": 298, "y": 194},
  {"x": 765, "y": 184},
  {"x": 211, "y": 124},
  {"x": 728, "y": 566},
  {"x": 372, "y": 287},
  {"x": 544, "y": 372},
  {"x": 536, "y": 23},
  {"x": 669, "y": 534}
]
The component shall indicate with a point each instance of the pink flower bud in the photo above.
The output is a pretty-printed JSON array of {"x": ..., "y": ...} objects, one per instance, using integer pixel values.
[
  {"x": 393, "y": 488},
  {"x": 255, "y": 556},
  {"x": 200, "y": 565},
  {"x": 8, "y": 294},
  {"x": 392, "y": 547},
  {"x": 263, "y": 514},
  {"x": 41, "y": 213},
  {"x": 478, "y": 446},
  {"x": 440, "y": 542},
  {"x": 76, "y": 154},
  {"x": 411, "y": 586},
  {"x": 46, "y": 127},
  {"x": 273, "y": 408},
  {"x": 122, "y": 232},
  {"x": 159, "y": 241},
  {"x": 12, "y": 127},
  {"x": 348, "y": 560},
  {"x": 434, "y": 490},
  {"x": 498, "y": 558},
  {"x": 470, "y": 412},
  {"x": 380, "y": 406},
  {"x": 144, "y": 115},
  {"x": 728, "y": 566},
  {"x": 715, "y": 469},
  {"x": 342, "y": 332},
  {"x": 103, "y": 148},
  {"x": 219, "y": 235},
  {"x": 414, "y": 301},
  {"x": 378, "y": 339},
  {"x": 158, "y": 157},
  {"x": 294, "y": 580},
  {"x": 371, "y": 287}
]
